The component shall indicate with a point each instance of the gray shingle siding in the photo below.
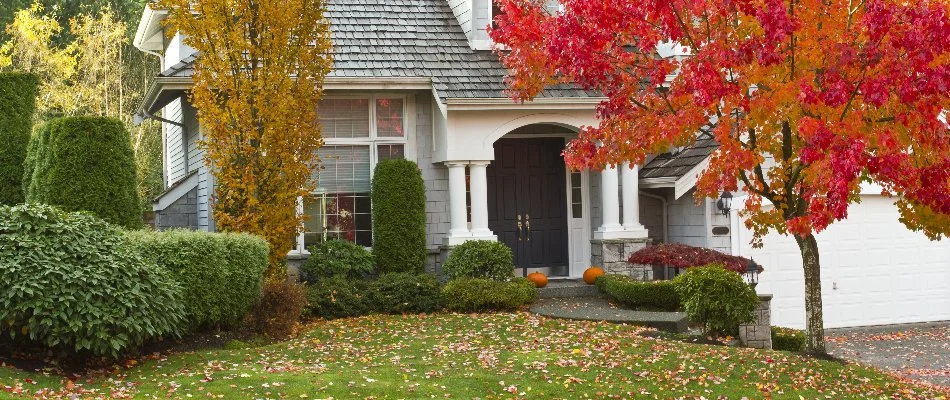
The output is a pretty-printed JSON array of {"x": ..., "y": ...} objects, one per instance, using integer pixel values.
[
  {"x": 180, "y": 214},
  {"x": 435, "y": 176}
]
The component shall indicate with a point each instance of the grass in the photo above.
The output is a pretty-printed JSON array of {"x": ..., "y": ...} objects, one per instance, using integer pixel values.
[{"x": 486, "y": 356}]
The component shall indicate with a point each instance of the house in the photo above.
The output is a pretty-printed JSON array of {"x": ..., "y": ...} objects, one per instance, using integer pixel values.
[{"x": 492, "y": 167}]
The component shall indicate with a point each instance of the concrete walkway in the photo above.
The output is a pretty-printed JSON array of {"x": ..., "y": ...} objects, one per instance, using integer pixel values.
[
  {"x": 599, "y": 309},
  {"x": 917, "y": 351}
]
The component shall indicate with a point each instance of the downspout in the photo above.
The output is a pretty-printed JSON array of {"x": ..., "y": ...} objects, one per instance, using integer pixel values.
[{"x": 666, "y": 227}]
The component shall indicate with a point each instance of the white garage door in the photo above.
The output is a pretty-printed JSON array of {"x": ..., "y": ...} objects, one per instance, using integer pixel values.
[{"x": 873, "y": 271}]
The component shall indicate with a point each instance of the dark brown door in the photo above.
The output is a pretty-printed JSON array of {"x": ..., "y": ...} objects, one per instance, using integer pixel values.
[{"x": 527, "y": 203}]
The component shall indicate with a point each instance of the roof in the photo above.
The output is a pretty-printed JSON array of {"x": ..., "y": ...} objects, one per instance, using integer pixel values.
[
  {"x": 410, "y": 38},
  {"x": 677, "y": 164}
]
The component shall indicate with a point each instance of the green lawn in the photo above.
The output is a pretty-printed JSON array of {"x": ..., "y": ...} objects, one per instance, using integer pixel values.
[{"x": 468, "y": 356}]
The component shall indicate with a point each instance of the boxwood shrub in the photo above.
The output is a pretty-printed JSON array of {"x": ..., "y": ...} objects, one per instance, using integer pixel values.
[
  {"x": 788, "y": 339},
  {"x": 337, "y": 258},
  {"x": 655, "y": 295},
  {"x": 85, "y": 164},
  {"x": 337, "y": 297},
  {"x": 399, "y": 217},
  {"x": 220, "y": 273},
  {"x": 479, "y": 294},
  {"x": 74, "y": 283},
  {"x": 480, "y": 259},
  {"x": 405, "y": 293},
  {"x": 718, "y": 298},
  {"x": 18, "y": 92}
]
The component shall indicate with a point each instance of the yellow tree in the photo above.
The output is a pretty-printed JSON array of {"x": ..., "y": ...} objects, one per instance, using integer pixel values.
[{"x": 257, "y": 83}]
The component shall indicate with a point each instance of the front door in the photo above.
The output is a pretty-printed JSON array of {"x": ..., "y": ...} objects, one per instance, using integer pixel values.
[{"x": 527, "y": 203}]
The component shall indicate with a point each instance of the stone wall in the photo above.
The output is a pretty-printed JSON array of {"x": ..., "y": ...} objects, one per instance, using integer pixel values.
[
  {"x": 183, "y": 213},
  {"x": 758, "y": 333},
  {"x": 612, "y": 256}
]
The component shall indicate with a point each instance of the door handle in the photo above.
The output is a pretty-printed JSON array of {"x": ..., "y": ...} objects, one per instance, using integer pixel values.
[
  {"x": 527, "y": 218},
  {"x": 519, "y": 227}
]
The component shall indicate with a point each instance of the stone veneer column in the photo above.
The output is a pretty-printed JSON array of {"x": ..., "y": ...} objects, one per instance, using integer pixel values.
[
  {"x": 758, "y": 333},
  {"x": 458, "y": 214},
  {"x": 479, "y": 191}
]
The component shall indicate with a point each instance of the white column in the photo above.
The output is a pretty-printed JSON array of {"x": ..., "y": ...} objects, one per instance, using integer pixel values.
[
  {"x": 457, "y": 212},
  {"x": 631, "y": 198},
  {"x": 479, "y": 191},
  {"x": 610, "y": 203}
]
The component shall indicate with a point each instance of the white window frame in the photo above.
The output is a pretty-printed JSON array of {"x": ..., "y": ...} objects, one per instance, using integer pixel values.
[{"x": 373, "y": 141}]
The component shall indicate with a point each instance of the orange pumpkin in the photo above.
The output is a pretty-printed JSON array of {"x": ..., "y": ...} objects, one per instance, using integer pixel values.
[
  {"x": 540, "y": 279},
  {"x": 592, "y": 273}
]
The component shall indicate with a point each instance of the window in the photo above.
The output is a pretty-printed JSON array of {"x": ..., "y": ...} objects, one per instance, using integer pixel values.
[
  {"x": 358, "y": 133},
  {"x": 577, "y": 199}
]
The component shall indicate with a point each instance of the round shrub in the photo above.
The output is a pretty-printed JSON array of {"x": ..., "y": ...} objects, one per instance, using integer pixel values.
[
  {"x": 74, "y": 283},
  {"x": 17, "y": 104},
  {"x": 337, "y": 258},
  {"x": 85, "y": 164},
  {"x": 337, "y": 297},
  {"x": 399, "y": 216},
  {"x": 719, "y": 299},
  {"x": 788, "y": 339},
  {"x": 480, "y": 259},
  {"x": 405, "y": 293},
  {"x": 278, "y": 311},
  {"x": 478, "y": 294},
  {"x": 220, "y": 273}
]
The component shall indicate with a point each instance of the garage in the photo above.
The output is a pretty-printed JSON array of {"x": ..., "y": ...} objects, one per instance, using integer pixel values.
[{"x": 874, "y": 271}]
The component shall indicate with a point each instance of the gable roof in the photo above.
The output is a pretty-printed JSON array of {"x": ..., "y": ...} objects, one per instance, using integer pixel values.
[
  {"x": 410, "y": 39},
  {"x": 678, "y": 164}
]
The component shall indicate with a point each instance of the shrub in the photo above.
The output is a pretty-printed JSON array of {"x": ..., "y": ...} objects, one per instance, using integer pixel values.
[
  {"x": 337, "y": 257},
  {"x": 402, "y": 293},
  {"x": 337, "y": 297},
  {"x": 684, "y": 256},
  {"x": 74, "y": 283},
  {"x": 17, "y": 104},
  {"x": 659, "y": 295},
  {"x": 788, "y": 339},
  {"x": 399, "y": 217},
  {"x": 479, "y": 294},
  {"x": 480, "y": 259},
  {"x": 278, "y": 310},
  {"x": 220, "y": 273},
  {"x": 717, "y": 298},
  {"x": 85, "y": 164}
]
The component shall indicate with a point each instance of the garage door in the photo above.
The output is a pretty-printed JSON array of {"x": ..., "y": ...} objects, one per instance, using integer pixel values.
[{"x": 874, "y": 271}]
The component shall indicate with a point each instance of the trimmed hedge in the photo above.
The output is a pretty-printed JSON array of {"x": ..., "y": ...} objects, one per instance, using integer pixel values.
[
  {"x": 220, "y": 273},
  {"x": 480, "y": 259},
  {"x": 718, "y": 298},
  {"x": 399, "y": 217},
  {"x": 478, "y": 294},
  {"x": 337, "y": 297},
  {"x": 658, "y": 295},
  {"x": 405, "y": 293},
  {"x": 74, "y": 283},
  {"x": 337, "y": 257},
  {"x": 85, "y": 164},
  {"x": 18, "y": 93},
  {"x": 788, "y": 339}
]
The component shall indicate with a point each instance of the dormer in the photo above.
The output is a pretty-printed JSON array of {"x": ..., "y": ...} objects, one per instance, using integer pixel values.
[
  {"x": 150, "y": 37},
  {"x": 476, "y": 15}
]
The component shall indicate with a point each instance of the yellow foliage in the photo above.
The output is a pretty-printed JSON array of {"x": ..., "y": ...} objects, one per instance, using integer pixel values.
[{"x": 257, "y": 85}]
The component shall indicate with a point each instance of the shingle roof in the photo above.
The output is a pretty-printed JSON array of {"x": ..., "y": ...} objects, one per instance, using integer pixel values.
[
  {"x": 675, "y": 165},
  {"x": 410, "y": 38}
]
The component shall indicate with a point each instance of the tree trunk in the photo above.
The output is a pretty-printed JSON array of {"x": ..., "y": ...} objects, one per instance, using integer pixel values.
[{"x": 815, "y": 328}]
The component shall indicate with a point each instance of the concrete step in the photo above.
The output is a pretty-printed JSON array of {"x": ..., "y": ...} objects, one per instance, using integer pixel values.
[
  {"x": 563, "y": 288},
  {"x": 599, "y": 309}
]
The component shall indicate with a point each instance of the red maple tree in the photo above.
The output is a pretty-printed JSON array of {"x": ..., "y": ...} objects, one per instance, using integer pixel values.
[{"x": 808, "y": 99}]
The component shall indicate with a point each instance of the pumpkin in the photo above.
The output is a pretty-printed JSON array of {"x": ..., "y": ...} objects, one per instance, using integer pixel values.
[
  {"x": 540, "y": 279},
  {"x": 592, "y": 273}
]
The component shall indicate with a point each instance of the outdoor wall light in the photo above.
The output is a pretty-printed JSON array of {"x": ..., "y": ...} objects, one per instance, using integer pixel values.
[
  {"x": 724, "y": 204},
  {"x": 752, "y": 271}
]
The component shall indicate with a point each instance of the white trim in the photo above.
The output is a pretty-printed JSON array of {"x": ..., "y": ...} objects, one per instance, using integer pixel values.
[
  {"x": 541, "y": 103},
  {"x": 686, "y": 182},
  {"x": 653, "y": 183},
  {"x": 180, "y": 189},
  {"x": 149, "y": 26},
  {"x": 395, "y": 83}
]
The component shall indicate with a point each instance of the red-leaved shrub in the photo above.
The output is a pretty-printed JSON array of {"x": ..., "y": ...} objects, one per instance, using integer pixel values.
[{"x": 685, "y": 256}]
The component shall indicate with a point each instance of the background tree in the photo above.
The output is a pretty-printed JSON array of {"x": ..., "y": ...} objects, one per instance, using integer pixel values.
[
  {"x": 808, "y": 99},
  {"x": 257, "y": 86}
]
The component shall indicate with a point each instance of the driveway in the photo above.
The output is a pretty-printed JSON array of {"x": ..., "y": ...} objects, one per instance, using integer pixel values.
[{"x": 917, "y": 351}]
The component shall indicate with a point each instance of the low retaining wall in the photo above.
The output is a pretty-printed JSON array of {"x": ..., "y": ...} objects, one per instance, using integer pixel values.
[{"x": 758, "y": 333}]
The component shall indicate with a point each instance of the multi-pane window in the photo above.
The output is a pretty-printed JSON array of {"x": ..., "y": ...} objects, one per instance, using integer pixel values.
[
  {"x": 358, "y": 133},
  {"x": 577, "y": 199}
]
